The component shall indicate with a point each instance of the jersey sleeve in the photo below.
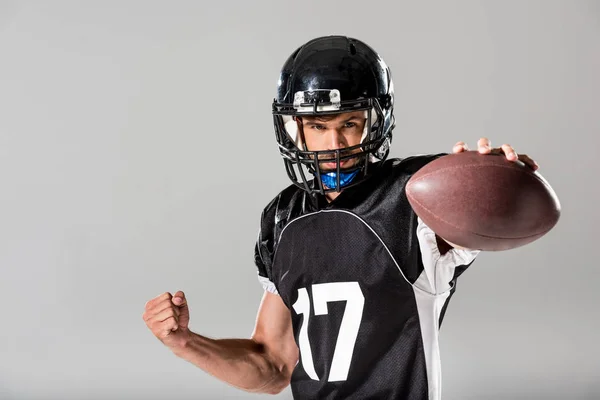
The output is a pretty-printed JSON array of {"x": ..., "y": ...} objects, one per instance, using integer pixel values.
[
  {"x": 287, "y": 205},
  {"x": 263, "y": 249},
  {"x": 440, "y": 270},
  {"x": 263, "y": 276}
]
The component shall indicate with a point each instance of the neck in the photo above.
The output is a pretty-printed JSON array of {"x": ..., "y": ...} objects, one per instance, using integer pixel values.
[{"x": 331, "y": 196}]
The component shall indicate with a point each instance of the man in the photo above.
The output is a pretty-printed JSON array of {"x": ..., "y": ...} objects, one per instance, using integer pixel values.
[{"x": 356, "y": 285}]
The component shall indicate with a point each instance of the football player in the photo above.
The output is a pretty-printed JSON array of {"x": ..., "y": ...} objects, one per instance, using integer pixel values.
[{"x": 356, "y": 285}]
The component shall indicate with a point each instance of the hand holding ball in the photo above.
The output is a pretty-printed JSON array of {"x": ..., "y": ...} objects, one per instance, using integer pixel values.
[{"x": 483, "y": 202}]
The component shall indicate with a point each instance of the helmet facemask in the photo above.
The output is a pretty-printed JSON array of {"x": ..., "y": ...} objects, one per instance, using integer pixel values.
[{"x": 301, "y": 162}]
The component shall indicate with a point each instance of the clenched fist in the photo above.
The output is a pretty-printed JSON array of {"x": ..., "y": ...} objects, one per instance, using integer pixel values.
[{"x": 168, "y": 318}]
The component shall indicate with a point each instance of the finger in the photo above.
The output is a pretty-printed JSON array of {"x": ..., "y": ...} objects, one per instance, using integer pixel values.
[
  {"x": 511, "y": 154},
  {"x": 179, "y": 298},
  {"x": 529, "y": 161},
  {"x": 484, "y": 145},
  {"x": 163, "y": 316},
  {"x": 158, "y": 308},
  {"x": 184, "y": 316},
  {"x": 157, "y": 299},
  {"x": 161, "y": 306},
  {"x": 167, "y": 305},
  {"x": 459, "y": 147},
  {"x": 164, "y": 329}
]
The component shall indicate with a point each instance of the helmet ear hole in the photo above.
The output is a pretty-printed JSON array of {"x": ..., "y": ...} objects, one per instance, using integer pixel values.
[{"x": 292, "y": 130}]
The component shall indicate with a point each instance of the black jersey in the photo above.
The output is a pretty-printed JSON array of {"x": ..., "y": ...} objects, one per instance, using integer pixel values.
[{"x": 365, "y": 284}]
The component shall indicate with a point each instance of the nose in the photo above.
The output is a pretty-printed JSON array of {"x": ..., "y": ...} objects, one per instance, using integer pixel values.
[{"x": 335, "y": 140}]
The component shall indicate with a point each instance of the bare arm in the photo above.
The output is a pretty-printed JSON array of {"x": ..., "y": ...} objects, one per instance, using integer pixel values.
[{"x": 263, "y": 363}]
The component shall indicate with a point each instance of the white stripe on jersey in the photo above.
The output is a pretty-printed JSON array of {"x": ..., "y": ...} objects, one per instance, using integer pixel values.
[
  {"x": 438, "y": 271},
  {"x": 267, "y": 284}
]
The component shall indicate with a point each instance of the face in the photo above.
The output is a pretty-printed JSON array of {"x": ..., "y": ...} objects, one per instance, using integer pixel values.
[{"x": 333, "y": 132}]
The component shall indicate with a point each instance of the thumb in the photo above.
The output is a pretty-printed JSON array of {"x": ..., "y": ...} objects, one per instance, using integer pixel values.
[
  {"x": 184, "y": 312},
  {"x": 179, "y": 298}
]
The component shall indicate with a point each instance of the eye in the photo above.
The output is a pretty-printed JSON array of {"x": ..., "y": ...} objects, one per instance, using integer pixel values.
[
  {"x": 318, "y": 127},
  {"x": 349, "y": 125}
]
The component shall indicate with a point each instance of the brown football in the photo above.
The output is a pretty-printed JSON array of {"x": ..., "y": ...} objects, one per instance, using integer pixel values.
[{"x": 483, "y": 202}]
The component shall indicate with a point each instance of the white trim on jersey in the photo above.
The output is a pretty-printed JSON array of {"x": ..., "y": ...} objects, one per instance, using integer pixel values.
[
  {"x": 367, "y": 225},
  {"x": 429, "y": 309},
  {"x": 438, "y": 271},
  {"x": 267, "y": 284}
]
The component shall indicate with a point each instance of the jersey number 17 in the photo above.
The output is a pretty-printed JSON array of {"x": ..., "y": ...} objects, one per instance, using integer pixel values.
[{"x": 324, "y": 293}]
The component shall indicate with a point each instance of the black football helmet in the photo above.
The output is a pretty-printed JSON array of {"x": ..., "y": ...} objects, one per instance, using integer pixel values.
[{"x": 332, "y": 75}]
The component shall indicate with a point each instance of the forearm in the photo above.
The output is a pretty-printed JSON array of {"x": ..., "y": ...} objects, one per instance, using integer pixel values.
[{"x": 242, "y": 363}]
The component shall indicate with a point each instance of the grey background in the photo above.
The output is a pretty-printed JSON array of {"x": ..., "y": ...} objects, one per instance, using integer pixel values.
[{"x": 137, "y": 152}]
